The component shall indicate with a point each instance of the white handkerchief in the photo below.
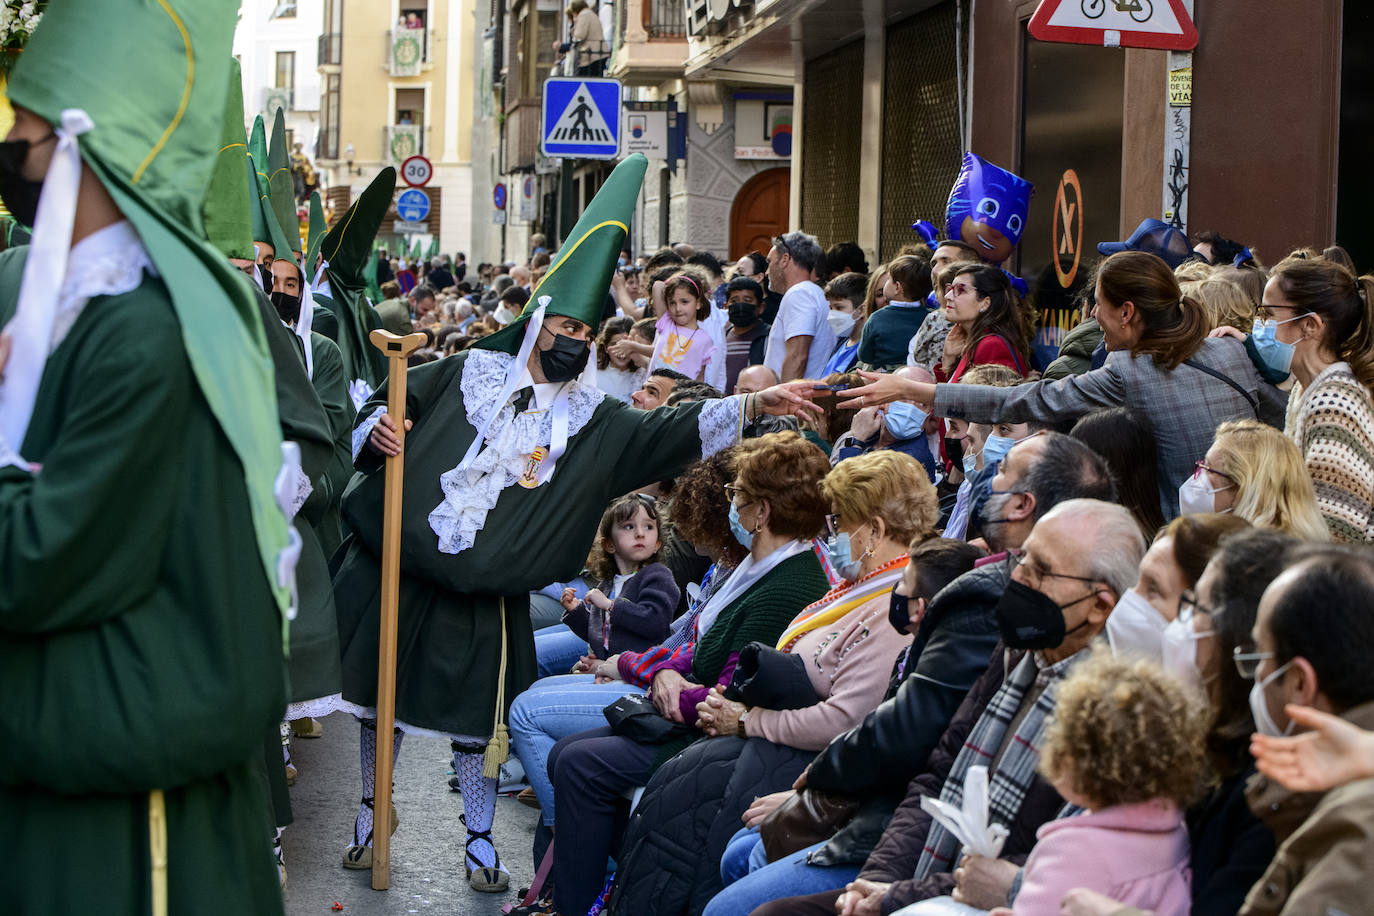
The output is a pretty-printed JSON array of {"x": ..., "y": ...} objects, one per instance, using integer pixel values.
[{"x": 969, "y": 823}]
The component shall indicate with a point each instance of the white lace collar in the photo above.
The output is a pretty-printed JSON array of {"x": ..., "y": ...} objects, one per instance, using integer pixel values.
[
  {"x": 471, "y": 492},
  {"x": 108, "y": 262}
]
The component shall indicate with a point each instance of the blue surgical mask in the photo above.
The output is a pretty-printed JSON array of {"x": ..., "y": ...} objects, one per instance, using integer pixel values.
[
  {"x": 996, "y": 448},
  {"x": 970, "y": 463},
  {"x": 839, "y": 550},
  {"x": 904, "y": 421},
  {"x": 1275, "y": 354},
  {"x": 741, "y": 533}
]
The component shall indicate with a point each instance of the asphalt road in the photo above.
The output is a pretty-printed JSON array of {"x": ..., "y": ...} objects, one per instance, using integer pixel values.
[{"x": 426, "y": 851}]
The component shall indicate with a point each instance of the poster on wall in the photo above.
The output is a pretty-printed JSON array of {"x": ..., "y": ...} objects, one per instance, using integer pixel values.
[{"x": 763, "y": 125}]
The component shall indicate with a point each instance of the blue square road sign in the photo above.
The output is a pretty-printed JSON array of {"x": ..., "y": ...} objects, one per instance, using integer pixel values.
[{"x": 581, "y": 118}]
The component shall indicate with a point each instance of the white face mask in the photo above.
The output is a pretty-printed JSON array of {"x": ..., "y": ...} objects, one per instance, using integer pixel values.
[
  {"x": 1135, "y": 627},
  {"x": 841, "y": 323},
  {"x": 1259, "y": 710},
  {"x": 1196, "y": 495},
  {"x": 1178, "y": 648}
]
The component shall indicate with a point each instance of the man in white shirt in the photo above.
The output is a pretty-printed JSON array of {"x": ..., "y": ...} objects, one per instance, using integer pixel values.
[{"x": 801, "y": 342}]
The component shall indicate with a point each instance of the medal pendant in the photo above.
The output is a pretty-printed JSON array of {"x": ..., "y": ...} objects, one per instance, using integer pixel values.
[{"x": 529, "y": 479}]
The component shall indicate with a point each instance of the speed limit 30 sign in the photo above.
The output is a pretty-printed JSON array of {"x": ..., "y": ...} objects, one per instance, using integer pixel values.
[{"x": 417, "y": 171}]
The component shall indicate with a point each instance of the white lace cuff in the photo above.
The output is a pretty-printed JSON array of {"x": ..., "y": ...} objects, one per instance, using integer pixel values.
[
  {"x": 359, "y": 392},
  {"x": 363, "y": 430},
  {"x": 720, "y": 424}
]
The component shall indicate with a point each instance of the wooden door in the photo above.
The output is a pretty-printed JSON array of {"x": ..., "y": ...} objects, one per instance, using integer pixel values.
[{"x": 759, "y": 212}]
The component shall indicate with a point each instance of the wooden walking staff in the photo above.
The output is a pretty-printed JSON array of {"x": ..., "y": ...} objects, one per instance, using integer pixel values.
[{"x": 397, "y": 349}]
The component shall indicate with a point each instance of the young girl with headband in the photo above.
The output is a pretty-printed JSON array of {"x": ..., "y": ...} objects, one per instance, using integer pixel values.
[{"x": 683, "y": 341}]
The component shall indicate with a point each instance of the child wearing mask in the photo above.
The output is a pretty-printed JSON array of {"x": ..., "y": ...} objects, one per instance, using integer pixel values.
[
  {"x": 747, "y": 338},
  {"x": 845, "y": 294}
]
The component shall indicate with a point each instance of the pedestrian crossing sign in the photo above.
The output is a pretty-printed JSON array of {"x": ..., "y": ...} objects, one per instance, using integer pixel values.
[{"x": 581, "y": 118}]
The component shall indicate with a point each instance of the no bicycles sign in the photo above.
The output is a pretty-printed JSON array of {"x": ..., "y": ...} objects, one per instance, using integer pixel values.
[{"x": 1162, "y": 24}]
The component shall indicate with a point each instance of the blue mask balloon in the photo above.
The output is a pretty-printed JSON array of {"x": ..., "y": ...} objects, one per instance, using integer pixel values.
[
  {"x": 987, "y": 208},
  {"x": 904, "y": 421}
]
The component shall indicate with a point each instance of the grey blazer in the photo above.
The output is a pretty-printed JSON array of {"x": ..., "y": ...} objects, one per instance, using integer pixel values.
[{"x": 1185, "y": 404}]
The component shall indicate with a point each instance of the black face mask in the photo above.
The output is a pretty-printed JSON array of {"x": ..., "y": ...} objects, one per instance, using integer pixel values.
[
  {"x": 898, "y": 613},
  {"x": 265, "y": 274},
  {"x": 565, "y": 360},
  {"x": 1029, "y": 619},
  {"x": 288, "y": 306},
  {"x": 954, "y": 448},
  {"x": 19, "y": 193},
  {"x": 743, "y": 314}
]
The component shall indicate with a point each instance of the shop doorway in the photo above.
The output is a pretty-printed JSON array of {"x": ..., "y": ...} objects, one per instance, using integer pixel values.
[{"x": 759, "y": 212}]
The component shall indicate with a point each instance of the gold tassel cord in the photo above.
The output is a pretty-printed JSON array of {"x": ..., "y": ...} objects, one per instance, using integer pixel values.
[
  {"x": 157, "y": 848},
  {"x": 498, "y": 748}
]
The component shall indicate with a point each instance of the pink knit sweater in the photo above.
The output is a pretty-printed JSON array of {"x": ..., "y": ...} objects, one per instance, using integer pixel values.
[{"x": 849, "y": 663}]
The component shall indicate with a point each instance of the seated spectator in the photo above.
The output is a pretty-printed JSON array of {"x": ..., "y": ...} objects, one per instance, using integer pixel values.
[
  {"x": 881, "y": 503},
  {"x": 1125, "y": 439},
  {"x": 555, "y": 707},
  {"x": 1125, "y": 745},
  {"x": 1170, "y": 569},
  {"x": 633, "y": 602},
  {"x": 778, "y": 508},
  {"x": 616, "y": 374},
  {"x": 1079, "y": 557},
  {"x": 1256, "y": 472},
  {"x": 747, "y": 339},
  {"x": 845, "y": 293},
  {"x": 958, "y": 633},
  {"x": 888, "y": 333},
  {"x": 901, "y": 426},
  {"x": 657, "y": 387},
  {"x": 1311, "y": 644}
]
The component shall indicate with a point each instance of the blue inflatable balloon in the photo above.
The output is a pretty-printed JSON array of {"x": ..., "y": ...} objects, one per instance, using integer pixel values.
[{"x": 987, "y": 208}]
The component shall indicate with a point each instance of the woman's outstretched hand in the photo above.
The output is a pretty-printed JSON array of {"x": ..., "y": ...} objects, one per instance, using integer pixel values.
[{"x": 884, "y": 389}]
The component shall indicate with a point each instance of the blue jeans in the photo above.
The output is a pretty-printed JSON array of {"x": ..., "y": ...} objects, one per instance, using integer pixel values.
[
  {"x": 557, "y": 649},
  {"x": 788, "y": 877},
  {"x": 743, "y": 854},
  {"x": 554, "y": 708}
]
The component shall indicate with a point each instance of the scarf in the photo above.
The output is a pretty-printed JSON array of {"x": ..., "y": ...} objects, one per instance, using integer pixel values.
[
  {"x": 842, "y": 599},
  {"x": 1016, "y": 770},
  {"x": 744, "y": 576}
]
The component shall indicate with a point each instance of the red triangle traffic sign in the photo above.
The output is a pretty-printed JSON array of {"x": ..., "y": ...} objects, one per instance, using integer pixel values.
[{"x": 1161, "y": 24}]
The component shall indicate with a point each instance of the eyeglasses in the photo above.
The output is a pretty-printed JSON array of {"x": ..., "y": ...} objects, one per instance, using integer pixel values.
[
  {"x": 832, "y": 524},
  {"x": 958, "y": 289},
  {"x": 1201, "y": 466},
  {"x": 1247, "y": 663},
  {"x": 732, "y": 491},
  {"x": 1034, "y": 570},
  {"x": 1188, "y": 605}
]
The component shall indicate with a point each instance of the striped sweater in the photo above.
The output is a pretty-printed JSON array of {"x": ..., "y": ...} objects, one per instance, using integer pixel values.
[{"x": 1334, "y": 427}]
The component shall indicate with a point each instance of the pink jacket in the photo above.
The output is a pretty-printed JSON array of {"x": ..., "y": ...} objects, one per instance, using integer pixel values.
[{"x": 1136, "y": 854}]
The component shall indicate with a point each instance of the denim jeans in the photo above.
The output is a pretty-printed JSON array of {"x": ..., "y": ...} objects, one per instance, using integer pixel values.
[
  {"x": 554, "y": 708},
  {"x": 743, "y": 854},
  {"x": 557, "y": 649},
  {"x": 787, "y": 877}
]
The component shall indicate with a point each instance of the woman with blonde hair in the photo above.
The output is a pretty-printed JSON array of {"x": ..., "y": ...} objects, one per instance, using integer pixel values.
[
  {"x": 1226, "y": 303},
  {"x": 1256, "y": 472}
]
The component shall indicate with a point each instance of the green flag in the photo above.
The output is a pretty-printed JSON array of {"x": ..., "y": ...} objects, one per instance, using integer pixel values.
[
  {"x": 228, "y": 205},
  {"x": 433, "y": 249},
  {"x": 415, "y": 252},
  {"x": 590, "y": 252},
  {"x": 156, "y": 94}
]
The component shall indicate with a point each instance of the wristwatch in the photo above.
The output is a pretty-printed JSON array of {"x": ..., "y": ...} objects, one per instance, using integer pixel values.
[{"x": 739, "y": 725}]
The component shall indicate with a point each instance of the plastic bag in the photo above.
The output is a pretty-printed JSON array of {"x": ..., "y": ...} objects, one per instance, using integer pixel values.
[{"x": 969, "y": 823}]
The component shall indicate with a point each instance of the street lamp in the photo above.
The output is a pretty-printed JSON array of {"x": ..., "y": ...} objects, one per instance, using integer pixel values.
[{"x": 348, "y": 158}]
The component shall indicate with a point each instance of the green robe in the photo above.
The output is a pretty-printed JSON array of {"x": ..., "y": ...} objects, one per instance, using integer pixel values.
[
  {"x": 348, "y": 322},
  {"x": 331, "y": 384},
  {"x": 449, "y": 622},
  {"x": 140, "y": 644}
]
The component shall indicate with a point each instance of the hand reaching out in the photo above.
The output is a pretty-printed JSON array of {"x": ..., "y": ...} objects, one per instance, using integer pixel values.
[{"x": 1334, "y": 753}]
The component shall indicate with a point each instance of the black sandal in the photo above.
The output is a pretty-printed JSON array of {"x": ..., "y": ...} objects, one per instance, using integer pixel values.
[
  {"x": 359, "y": 855},
  {"x": 484, "y": 878}
]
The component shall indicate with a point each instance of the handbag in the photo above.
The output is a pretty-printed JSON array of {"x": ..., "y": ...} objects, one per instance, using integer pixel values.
[
  {"x": 771, "y": 679},
  {"x": 634, "y": 716},
  {"x": 809, "y": 817}
]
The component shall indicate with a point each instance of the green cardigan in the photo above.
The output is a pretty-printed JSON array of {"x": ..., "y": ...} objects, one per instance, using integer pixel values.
[{"x": 760, "y": 614}]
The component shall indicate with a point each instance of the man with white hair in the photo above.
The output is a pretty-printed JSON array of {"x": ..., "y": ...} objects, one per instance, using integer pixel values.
[
  {"x": 440, "y": 277},
  {"x": 1065, "y": 580}
]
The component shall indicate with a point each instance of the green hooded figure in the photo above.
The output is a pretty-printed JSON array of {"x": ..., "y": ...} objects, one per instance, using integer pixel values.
[
  {"x": 513, "y": 457},
  {"x": 144, "y": 557}
]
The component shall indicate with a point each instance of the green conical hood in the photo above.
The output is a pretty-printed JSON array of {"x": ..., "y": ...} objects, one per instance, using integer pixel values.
[
  {"x": 348, "y": 244},
  {"x": 257, "y": 148},
  {"x": 257, "y": 206},
  {"x": 153, "y": 77},
  {"x": 279, "y": 237},
  {"x": 316, "y": 229},
  {"x": 415, "y": 252},
  {"x": 433, "y": 247},
  {"x": 280, "y": 187},
  {"x": 228, "y": 204},
  {"x": 576, "y": 282}
]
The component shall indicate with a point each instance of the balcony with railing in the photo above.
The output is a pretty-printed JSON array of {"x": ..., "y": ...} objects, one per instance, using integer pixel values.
[
  {"x": 522, "y": 134},
  {"x": 650, "y": 41},
  {"x": 408, "y": 51},
  {"x": 330, "y": 50}
]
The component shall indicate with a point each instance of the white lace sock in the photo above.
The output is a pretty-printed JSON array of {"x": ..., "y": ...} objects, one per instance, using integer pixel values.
[
  {"x": 479, "y": 805},
  {"x": 362, "y": 827}
]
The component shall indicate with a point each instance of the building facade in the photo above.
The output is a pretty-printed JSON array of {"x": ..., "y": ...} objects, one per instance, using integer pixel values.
[
  {"x": 275, "y": 43},
  {"x": 397, "y": 79}
]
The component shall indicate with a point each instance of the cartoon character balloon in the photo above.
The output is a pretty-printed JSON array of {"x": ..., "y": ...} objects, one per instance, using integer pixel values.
[{"x": 987, "y": 208}]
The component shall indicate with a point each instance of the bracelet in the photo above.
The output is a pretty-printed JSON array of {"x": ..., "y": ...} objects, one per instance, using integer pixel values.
[{"x": 739, "y": 725}]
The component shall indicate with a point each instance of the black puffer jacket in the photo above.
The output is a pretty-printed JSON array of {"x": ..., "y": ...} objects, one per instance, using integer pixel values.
[
  {"x": 878, "y": 757},
  {"x": 670, "y": 858}
]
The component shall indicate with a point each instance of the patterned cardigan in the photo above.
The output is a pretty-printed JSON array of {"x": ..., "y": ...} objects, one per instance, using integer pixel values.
[{"x": 1334, "y": 427}]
